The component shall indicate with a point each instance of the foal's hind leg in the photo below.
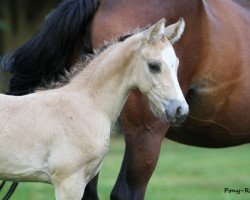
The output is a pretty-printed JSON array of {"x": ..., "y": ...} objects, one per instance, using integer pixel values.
[{"x": 143, "y": 134}]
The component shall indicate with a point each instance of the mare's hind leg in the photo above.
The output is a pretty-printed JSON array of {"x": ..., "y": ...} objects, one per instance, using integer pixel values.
[
  {"x": 143, "y": 134},
  {"x": 91, "y": 190},
  {"x": 70, "y": 188}
]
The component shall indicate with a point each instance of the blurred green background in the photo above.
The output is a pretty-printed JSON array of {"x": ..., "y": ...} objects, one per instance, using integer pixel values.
[{"x": 182, "y": 173}]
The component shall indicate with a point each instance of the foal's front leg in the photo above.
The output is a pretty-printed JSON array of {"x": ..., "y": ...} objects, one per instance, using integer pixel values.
[
  {"x": 91, "y": 190},
  {"x": 70, "y": 188},
  {"x": 143, "y": 134},
  {"x": 71, "y": 173}
]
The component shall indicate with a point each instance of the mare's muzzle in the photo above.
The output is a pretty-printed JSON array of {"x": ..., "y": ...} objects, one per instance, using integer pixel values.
[{"x": 176, "y": 112}]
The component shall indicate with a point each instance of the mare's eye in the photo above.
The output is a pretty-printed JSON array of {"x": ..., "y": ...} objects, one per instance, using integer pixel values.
[{"x": 154, "y": 67}]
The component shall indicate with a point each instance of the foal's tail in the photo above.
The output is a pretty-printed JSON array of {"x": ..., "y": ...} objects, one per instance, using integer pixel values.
[{"x": 64, "y": 36}]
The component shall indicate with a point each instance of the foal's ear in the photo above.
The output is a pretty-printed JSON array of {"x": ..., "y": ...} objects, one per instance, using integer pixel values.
[
  {"x": 174, "y": 31},
  {"x": 155, "y": 32}
]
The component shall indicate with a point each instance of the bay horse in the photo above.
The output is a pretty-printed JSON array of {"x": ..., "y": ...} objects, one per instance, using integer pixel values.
[
  {"x": 213, "y": 74},
  {"x": 67, "y": 129}
]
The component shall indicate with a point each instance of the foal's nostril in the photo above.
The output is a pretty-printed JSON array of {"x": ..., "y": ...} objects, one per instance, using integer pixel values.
[
  {"x": 178, "y": 111},
  {"x": 180, "y": 116}
]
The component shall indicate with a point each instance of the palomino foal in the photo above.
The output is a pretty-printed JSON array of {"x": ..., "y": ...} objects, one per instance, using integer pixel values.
[{"x": 60, "y": 136}]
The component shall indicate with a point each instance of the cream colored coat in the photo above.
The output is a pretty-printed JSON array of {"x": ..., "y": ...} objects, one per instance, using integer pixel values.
[{"x": 60, "y": 136}]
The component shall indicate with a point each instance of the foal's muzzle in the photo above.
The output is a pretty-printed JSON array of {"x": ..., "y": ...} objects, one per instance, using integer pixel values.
[{"x": 176, "y": 112}]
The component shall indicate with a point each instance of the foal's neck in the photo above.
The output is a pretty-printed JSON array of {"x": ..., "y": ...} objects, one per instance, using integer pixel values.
[{"x": 108, "y": 79}]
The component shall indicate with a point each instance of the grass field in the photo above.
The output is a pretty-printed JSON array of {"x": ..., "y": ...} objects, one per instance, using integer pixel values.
[{"x": 183, "y": 173}]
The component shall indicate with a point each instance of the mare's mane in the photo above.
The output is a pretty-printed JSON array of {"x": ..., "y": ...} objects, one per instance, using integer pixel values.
[{"x": 63, "y": 38}]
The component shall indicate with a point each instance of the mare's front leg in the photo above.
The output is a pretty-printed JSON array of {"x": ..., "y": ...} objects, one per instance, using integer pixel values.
[{"x": 143, "y": 135}]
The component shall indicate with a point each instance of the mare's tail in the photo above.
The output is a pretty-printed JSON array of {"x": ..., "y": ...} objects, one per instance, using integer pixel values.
[
  {"x": 10, "y": 191},
  {"x": 64, "y": 36}
]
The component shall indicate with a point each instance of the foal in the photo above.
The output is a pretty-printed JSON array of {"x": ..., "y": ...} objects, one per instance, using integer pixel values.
[{"x": 60, "y": 136}]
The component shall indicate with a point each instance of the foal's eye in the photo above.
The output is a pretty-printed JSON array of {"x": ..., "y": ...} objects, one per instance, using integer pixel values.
[{"x": 154, "y": 67}]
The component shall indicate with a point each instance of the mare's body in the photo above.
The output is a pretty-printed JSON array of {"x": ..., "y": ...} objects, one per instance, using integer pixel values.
[
  {"x": 214, "y": 62},
  {"x": 213, "y": 73}
]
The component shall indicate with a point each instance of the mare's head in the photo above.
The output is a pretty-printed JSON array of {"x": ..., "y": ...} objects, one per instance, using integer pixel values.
[{"x": 155, "y": 68}]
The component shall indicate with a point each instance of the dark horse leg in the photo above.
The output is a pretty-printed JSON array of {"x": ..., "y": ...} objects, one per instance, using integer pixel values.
[{"x": 143, "y": 134}]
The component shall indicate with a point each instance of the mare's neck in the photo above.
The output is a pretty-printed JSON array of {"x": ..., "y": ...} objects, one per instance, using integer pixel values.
[{"x": 108, "y": 79}]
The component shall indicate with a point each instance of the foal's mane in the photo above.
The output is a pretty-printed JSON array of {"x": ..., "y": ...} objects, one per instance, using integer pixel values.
[{"x": 83, "y": 61}]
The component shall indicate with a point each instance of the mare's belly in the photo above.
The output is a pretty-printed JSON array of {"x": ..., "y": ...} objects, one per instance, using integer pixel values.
[{"x": 217, "y": 119}]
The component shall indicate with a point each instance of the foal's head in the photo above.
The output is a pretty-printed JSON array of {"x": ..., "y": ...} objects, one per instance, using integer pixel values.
[{"x": 155, "y": 70}]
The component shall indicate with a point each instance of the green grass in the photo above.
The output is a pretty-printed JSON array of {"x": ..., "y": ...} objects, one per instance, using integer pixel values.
[{"x": 183, "y": 173}]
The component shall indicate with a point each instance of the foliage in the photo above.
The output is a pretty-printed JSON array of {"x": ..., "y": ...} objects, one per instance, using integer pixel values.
[{"x": 4, "y": 26}]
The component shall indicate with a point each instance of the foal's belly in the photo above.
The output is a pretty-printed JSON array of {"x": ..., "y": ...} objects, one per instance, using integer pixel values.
[
  {"x": 16, "y": 166},
  {"x": 30, "y": 176},
  {"x": 25, "y": 170},
  {"x": 22, "y": 159}
]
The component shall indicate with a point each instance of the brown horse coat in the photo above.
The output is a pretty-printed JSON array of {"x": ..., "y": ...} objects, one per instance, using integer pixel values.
[{"x": 214, "y": 58}]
